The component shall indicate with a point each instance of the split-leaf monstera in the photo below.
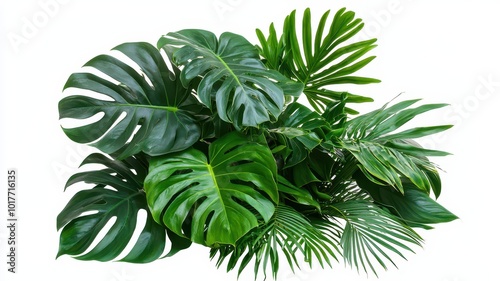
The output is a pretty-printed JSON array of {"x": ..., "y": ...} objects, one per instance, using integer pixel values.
[
  {"x": 153, "y": 100},
  {"x": 246, "y": 93},
  {"x": 205, "y": 137},
  {"x": 225, "y": 195}
]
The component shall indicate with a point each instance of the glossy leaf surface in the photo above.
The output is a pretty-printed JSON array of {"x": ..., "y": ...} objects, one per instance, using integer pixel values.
[
  {"x": 117, "y": 194},
  {"x": 215, "y": 196},
  {"x": 414, "y": 206},
  {"x": 244, "y": 91},
  {"x": 299, "y": 129},
  {"x": 144, "y": 110},
  {"x": 211, "y": 143}
]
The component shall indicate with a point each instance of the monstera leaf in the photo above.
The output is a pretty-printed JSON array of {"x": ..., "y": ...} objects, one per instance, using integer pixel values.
[
  {"x": 223, "y": 198},
  {"x": 117, "y": 193},
  {"x": 245, "y": 92},
  {"x": 156, "y": 105},
  {"x": 206, "y": 141}
]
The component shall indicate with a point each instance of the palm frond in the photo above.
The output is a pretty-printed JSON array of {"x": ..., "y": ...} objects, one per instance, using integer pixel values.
[
  {"x": 288, "y": 231},
  {"x": 343, "y": 188},
  {"x": 371, "y": 234},
  {"x": 321, "y": 60},
  {"x": 385, "y": 155}
]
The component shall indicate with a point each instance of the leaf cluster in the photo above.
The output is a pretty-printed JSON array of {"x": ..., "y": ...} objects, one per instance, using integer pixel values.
[{"x": 205, "y": 135}]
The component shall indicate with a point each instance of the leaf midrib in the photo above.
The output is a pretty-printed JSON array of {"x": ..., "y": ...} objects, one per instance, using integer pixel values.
[
  {"x": 207, "y": 49},
  {"x": 168, "y": 108},
  {"x": 228, "y": 69},
  {"x": 157, "y": 107},
  {"x": 122, "y": 200},
  {"x": 217, "y": 188}
]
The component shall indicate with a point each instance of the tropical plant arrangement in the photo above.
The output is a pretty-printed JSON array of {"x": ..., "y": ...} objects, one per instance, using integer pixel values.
[{"x": 206, "y": 135}]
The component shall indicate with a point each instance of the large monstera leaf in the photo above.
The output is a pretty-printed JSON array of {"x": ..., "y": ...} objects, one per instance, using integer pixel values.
[
  {"x": 220, "y": 200},
  {"x": 158, "y": 118},
  {"x": 117, "y": 194},
  {"x": 245, "y": 92}
]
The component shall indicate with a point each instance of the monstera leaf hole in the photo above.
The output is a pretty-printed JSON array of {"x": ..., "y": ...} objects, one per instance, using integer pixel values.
[
  {"x": 67, "y": 123},
  {"x": 102, "y": 233},
  {"x": 134, "y": 239}
]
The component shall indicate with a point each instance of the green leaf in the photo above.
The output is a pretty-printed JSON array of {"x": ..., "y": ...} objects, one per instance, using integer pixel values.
[
  {"x": 416, "y": 132},
  {"x": 360, "y": 126},
  {"x": 321, "y": 162},
  {"x": 296, "y": 194},
  {"x": 303, "y": 175},
  {"x": 217, "y": 198},
  {"x": 288, "y": 231},
  {"x": 155, "y": 105},
  {"x": 300, "y": 128},
  {"x": 244, "y": 91},
  {"x": 410, "y": 147},
  {"x": 370, "y": 233},
  {"x": 386, "y": 157},
  {"x": 271, "y": 48},
  {"x": 402, "y": 117},
  {"x": 414, "y": 206},
  {"x": 322, "y": 61},
  {"x": 387, "y": 165},
  {"x": 117, "y": 194},
  {"x": 342, "y": 187}
]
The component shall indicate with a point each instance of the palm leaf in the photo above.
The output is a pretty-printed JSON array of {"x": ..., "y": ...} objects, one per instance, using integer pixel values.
[
  {"x": 385, "y": 156},
  {"x": 117, "y": 193},
  {"x": 370, "y": 233},
  {"x": 215, "y": 198},
  {"x": 415, "y": 207},
  {"x": 158, "y": 118},
  {"x": 288, "y": 231},
  {"x": 343, "y": 188},
  {"x": 320, "y": 61},
  {"x": 244, "y": 91}
]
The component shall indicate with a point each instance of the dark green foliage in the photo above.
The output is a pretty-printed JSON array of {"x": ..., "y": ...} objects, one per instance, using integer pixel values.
[{"x": 210, "y": 142}]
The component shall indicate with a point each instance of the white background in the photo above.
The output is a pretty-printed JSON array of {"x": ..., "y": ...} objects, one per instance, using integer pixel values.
[{"x": 442, "y": 51}]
